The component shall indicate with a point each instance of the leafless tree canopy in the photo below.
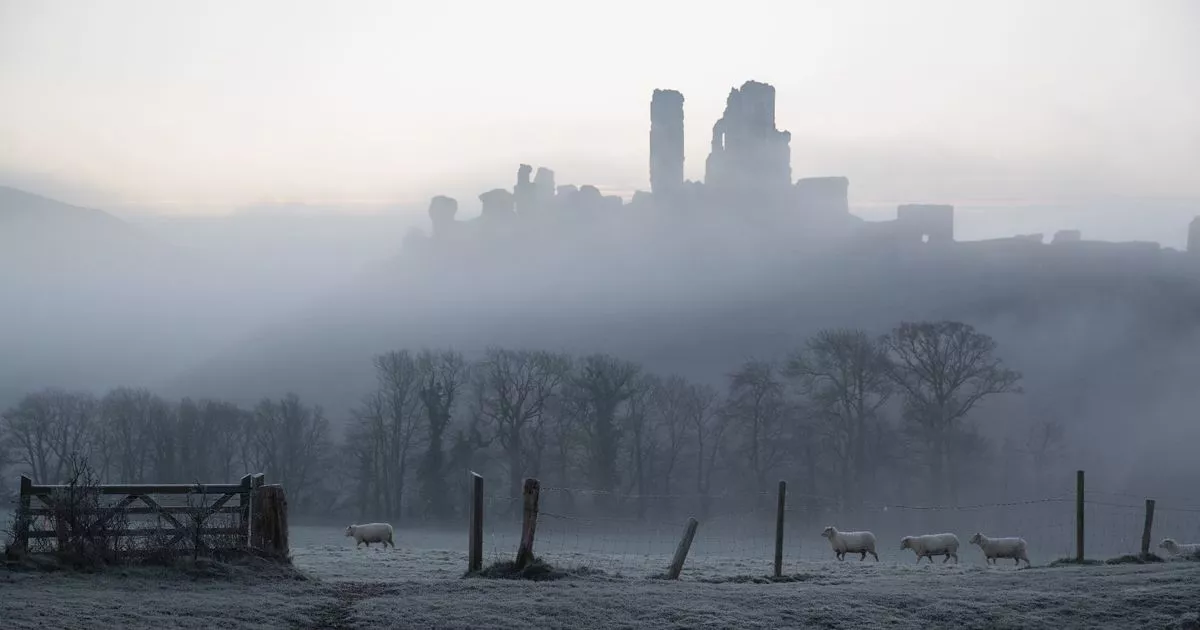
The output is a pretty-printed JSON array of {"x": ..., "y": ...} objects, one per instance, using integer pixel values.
[
  {"x": 944, "y": 369},
  {"x": 841, "y": 417},
  {"x": 844, "y": 375}
]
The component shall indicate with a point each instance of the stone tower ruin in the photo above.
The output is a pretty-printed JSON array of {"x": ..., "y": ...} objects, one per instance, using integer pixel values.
[{"x": 666, "y": 142}]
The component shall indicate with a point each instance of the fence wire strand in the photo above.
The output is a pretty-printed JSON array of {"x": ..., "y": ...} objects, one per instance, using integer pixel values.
[{"x": 630, "y": 535}]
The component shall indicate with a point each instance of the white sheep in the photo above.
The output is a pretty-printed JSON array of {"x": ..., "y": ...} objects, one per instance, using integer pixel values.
[
  {"x": 850, "y": 542},
  {"x": 1176, "y": 549},
  {"x": 995, "y": 548},
  {"x": 371, "y": 532},
  {"x": 931, "y": 545}
]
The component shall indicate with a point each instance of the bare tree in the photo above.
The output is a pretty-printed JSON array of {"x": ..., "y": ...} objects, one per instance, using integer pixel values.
[
  {"x": 844, "y": 376},
  {"x": 292, "y": 443},
  {"x": 365, "y": 454},
  {"x": 643, "y": 440},
  {"x": 756, "y": 407},
  {"x": 222, "y": 422},
  {"x": 5, "y": 454},
  {"x": 162, "y": 435},
  {"x": 512, "y": 389},
  {"x": 195, "y": 442},
  {"x": 708, "y": 430},
  {"x": 1044, "y": 442},
  {"x": 442, "y": 377},
  {"x": 563, "y": 429},
  {"x": 603, "y": 384},
  {"x": 944, "y": 369},
  {"x": 46, "y": 428},
  {"x": 127, "y": 419},
  {"x": 671, "y": 403},
  {"x": 394, "y": 417},
  {"x": 27, "y": 429}
]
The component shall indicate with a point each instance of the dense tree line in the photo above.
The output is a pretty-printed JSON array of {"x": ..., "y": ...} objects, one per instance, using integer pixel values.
[{"x": 842, "y": 418}]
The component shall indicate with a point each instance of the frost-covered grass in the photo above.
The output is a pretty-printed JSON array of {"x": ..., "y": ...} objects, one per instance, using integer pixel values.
[{"x": 419, "y": 585}]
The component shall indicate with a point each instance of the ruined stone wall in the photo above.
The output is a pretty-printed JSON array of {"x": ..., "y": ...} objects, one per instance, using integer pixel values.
[
  {"x": 917, "y": 221},
  {"x": 822, "y": 197},
  {"x": 543, "y": 186},
  {"x": 524, "y": 193},
  {"x": 666, "y": 142},
  {"x": 441, "y": 213},
  {"x": 498, "y": 205},
  {"x": 1067, "y": 236}
]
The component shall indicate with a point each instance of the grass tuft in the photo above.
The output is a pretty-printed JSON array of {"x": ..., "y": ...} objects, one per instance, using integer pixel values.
[
  {"x": 537, "y": 570},
  {"x": 1134, "y": 558}
]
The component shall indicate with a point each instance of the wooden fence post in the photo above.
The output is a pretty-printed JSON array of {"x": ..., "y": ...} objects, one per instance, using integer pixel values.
[
  {"x": 528, "y": 522},
  {"x": 23, "y": 521},
  {"x": 779, "y": 510},
  {"x": 1146, "y": 528},
  {"x": 244, "y": 499},
  {"x": 681, "y": 551},
  {"x": 475, "y": 535},
  {"x": 1079, "y": 516},
  {"x": 269, "y": 529}
]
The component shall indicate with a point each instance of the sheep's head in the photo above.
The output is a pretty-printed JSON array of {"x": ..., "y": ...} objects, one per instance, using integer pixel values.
[
  {"x": 829, "y": 532},
  {"x": 1168, "y": 544},
  {"x": 977, "y": 539},
  {"x": 906, "y": 543},
  {"x": 350, "y": 530}
]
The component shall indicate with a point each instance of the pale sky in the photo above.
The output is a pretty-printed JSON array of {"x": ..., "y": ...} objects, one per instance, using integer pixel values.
[{"x": 201, "y": 104}]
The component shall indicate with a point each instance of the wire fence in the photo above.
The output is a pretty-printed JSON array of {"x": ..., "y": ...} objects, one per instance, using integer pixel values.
[{"x": 582, "y": 528}]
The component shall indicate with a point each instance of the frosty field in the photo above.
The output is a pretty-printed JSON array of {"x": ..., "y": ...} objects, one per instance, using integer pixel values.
[{"x": 419, "y": 585}]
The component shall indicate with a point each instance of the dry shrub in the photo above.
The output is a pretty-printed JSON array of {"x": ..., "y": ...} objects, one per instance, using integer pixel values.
[{"x": 89, "y": 533}]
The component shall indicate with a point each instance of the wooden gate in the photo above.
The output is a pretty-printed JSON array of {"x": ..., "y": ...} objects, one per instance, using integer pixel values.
[{"x": 143, "y": 518}]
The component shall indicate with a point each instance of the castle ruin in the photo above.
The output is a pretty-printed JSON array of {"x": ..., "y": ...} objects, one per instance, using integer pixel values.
[
  {"x": 749, "y": 155},
  {"x": 747, "y": 173}
]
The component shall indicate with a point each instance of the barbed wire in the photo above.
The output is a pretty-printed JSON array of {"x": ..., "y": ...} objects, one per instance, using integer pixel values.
[
  {"x": 599, "y": 529},
  {"x": 1168, "y": 508},
  {"x": 1158, "y": 498},
  {"x": 722, "y": 495}
]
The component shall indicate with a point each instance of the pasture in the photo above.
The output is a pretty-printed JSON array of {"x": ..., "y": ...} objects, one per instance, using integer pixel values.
[{"x": 419, "y": 585}]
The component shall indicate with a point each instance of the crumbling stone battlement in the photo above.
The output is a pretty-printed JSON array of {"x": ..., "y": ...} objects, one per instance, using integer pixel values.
[{"x": 749, "y": 155}]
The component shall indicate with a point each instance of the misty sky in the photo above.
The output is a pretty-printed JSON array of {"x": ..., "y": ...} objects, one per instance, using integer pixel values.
[{"x": 196, "y": 106}]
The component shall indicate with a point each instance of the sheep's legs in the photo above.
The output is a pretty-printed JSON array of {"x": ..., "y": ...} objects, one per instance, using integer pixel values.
[
  {"x": 864, "y": 556},
  {"x": 873, "y": 554}
]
